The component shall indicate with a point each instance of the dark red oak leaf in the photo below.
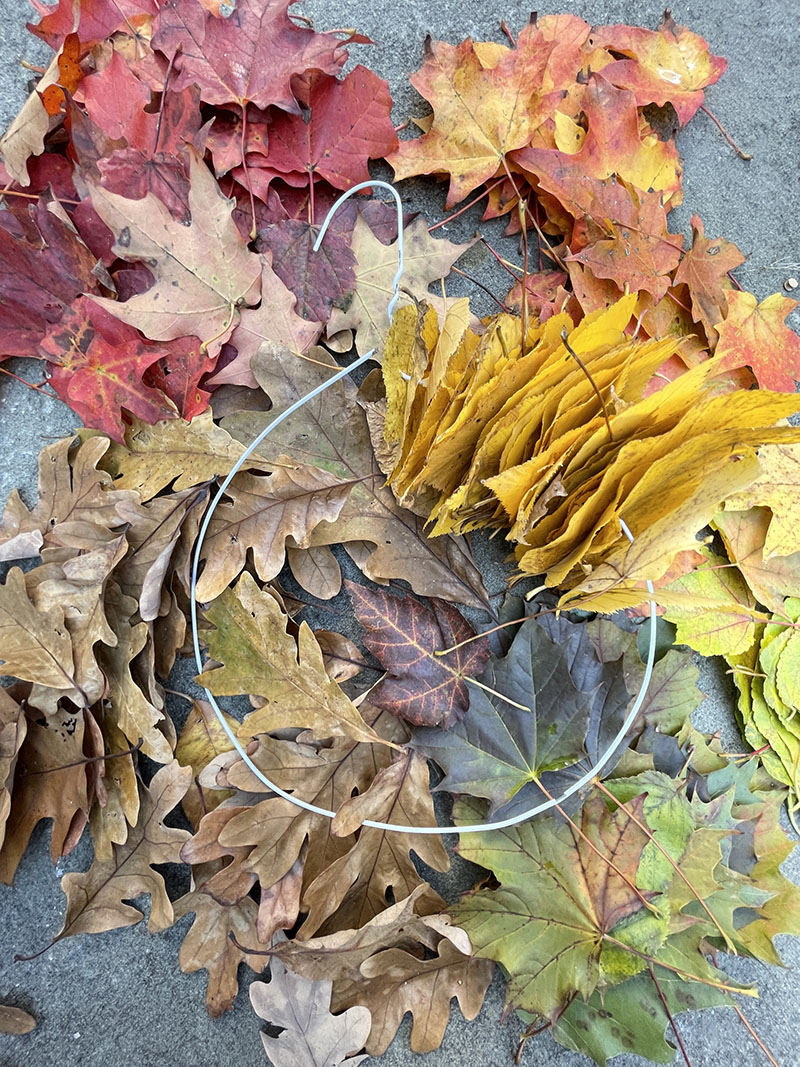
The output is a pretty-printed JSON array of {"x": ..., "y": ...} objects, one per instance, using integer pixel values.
[
  {"x": 248, "y": 57},
  {"x": 318, "y": 279},
  {"x": 44, "y": 266},
  {"x": 404, "y": 634},
  {"x": 346, "y": 124}
]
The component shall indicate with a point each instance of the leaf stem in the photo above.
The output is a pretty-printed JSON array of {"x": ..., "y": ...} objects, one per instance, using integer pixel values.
[
  {"x": 81, "y": 762},
  {"x": 222, "y": 332},
  {"x": 466, "y": 207},
  {"x": 480, "y": 285},
  {"x": 755, "y": 1037},
  {"x": 581, "y": 364},
  {"x": 724, "y": 132},
  {"x": 674, "y": 1025}
]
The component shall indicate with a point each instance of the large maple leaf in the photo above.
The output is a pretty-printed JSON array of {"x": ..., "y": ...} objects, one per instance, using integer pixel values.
[
  {"x": 347, "y": 123},
  {"x": 426, "y": 260},
  {"x": 426, "y": 684},
  {"x": 99, "y": 383},
  {"x": 202, "y": 271},
  {"x": 500, "y": 747},
  {"x": 488, "y": 101},
  {"x": 613, "y": 144},
  {"x": 558, "y": 898},
  {"x": 249, "y": 57},
  {"x": 318, "y": 278},
  {"x": 93, "y": 20}
]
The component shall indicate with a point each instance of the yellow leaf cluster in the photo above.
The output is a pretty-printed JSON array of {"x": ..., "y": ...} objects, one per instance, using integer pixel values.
[{"x": 556, "y": 441}]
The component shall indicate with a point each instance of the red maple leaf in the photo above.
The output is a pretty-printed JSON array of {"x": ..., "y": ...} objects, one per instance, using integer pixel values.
[
  {"x": 347, "y": 123},
  {"x": 93, "y": 20},
  {"x": 178, "y": 374},
  {"x": 248, "y": 57},
  {"x": 44, "y": 266}
]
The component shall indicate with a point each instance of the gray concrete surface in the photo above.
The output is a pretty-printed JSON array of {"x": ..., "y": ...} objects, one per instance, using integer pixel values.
[{"x": 119, "y": 999}]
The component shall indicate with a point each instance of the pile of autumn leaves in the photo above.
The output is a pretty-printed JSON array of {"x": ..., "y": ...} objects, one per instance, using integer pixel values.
[{"x": 167, "y": 263}]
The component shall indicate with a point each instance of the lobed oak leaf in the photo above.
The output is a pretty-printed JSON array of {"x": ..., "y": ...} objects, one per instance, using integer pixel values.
[
  {"x": 293, "y": 680},
  {"x": 20, "y": 536},
  {"x": 202, "y": 271},
  {"x": 209, "y": 946},
  {"x": 355, "y": 886},
  {"x": 331, "y": 433},
  {"x": 668, "y": 65},
  {"x": 201, "y": 740},
  {"x": 261, "y": 514},
  {"x": 138, "y": 714},
  {"x": 96, "y": 899},
  {"x": 756, "y": 335},
  {"x": 49, "y": 782},
  {"x": 36, "y": 645},
  {"x": 422, "y": 687},
  {"x": 401, "y": 925},
  {"x": 250, "y": 56},
  {"x": 394, "y": 982},
  {"x": 312, "y": 1036},
  {"x": 704, "y": 270},
  {"x": 118, "y": 800},
  {"x": 13, "y": 727},
  {"x": 178, "y": 452}
]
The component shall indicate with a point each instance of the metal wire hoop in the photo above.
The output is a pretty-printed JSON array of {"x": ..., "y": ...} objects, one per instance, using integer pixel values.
[{"x": 402, "y": 828}]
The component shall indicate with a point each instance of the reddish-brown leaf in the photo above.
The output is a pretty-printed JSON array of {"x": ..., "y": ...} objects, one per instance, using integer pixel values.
[
  {"x": 250, "y": 56},
  {"x": 405, "y": 635},
  {"x": 42, "y": 270},
  {"x": 94, "y": 20},
  {"x": 704, "y": 270},
  {"x": 318, "y": 279},
  {"x": 755, "y": 335},
  {"x": 347, "y": 123}
]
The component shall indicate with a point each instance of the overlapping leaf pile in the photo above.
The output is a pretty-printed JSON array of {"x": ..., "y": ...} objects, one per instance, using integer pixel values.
[{"x": 164, "y": 185}]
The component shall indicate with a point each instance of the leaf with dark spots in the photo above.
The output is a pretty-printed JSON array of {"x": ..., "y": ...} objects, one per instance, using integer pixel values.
[
  {"x": 318, "y": 279},
  {"x": 405, "y": 635},
  {"x": 178, "y": 372}
]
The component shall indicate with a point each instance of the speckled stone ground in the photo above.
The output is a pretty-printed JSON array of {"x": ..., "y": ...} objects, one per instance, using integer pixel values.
[{"x": 119, "y": 999}]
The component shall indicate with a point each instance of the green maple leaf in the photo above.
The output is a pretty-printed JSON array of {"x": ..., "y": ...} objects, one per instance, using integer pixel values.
[
  {"x": 499, "y": 747},
  {"x": 558, "y": 900}
]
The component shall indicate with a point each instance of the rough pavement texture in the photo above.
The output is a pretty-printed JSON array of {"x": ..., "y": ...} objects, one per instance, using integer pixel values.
[{"x": 119, "y": 998}]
